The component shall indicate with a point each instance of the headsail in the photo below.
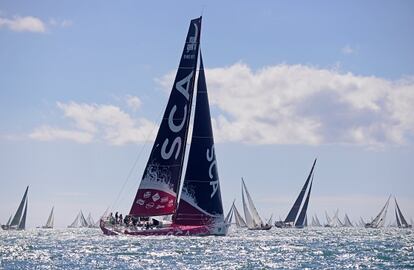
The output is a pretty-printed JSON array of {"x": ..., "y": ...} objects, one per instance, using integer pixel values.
[
  {"x": 398, "y": 219},
  {"x": 404, "y": 222},
  {"x": 238, "y": 218},
  {"x": 291, "y": 217},
  {"x": 158, "y": 190},
  {"x": 300, "y": 222},
  {"x": 200, "y": 199},
  {"x": 8, "y": 222},
  {"x": 22, "y": 224},
  {"x": 229, "y": 216},
  {"x": 18, "y": 216}
]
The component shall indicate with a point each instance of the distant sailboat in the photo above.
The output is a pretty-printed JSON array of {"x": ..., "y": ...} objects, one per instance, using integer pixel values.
[
  {"x": 79, "y": 222},
  {"x": 328, "y": 219},
  {"x": 91, "y": 222},
  {"x": 229, "y": 216},
  {"x": 292, "y": 219},
  {"x": 347, "y": 222},
  {"x": 401, "y": 221},
  {"x": 362, "y": 222},
  {"x": 19, "y": 220},
  {"x": 50, "y": 220},
  {"x": 253, "y": 220},
  {"x": 315, "y": 221},
  {"x": 335, "y": 221},
  {"x": 238, "y": 219},
  {"x": 379, "y": 220}
]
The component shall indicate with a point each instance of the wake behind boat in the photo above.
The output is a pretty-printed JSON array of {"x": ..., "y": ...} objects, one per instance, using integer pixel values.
[
  {"x": 19, "y": 220},
  {"x": 199, "y": 209}
]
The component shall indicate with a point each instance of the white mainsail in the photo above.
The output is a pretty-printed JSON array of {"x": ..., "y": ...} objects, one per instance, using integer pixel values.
[
  {"x": 255, "y": 215},
  {"x": 50, "y": 220},
  {"x": 249, "y": 220},
  {"x": 238, "y": 218}
]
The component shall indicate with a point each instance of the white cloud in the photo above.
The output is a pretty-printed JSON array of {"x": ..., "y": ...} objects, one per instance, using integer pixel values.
[
  {"x": 133, "y": 102},
  {"x": 60, "y": 23},
  {"x": 93, "y": 122},
  {"x": 296, "y": 104},
  {"x": 23, "y": 24},
  {"x": 347, "y": 49},
  {"x": 47, "y": 133}
]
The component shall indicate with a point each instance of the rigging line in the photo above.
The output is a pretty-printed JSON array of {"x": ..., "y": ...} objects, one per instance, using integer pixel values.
[{"x": 136, "y": 161}]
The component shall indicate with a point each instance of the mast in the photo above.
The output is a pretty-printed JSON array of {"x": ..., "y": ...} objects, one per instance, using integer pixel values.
[
  {"x": 200, "y": 199},
  {"x": 300, "y": 222},
  {"x": 157, "y": 193},
  {"x": 238, "y": 218},
  {"x": 18, "y": 216},
  {"x": 291, "y": 217}
]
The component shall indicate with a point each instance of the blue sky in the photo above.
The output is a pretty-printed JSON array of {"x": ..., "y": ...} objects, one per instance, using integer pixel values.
[{"x": 83, "y": 86}]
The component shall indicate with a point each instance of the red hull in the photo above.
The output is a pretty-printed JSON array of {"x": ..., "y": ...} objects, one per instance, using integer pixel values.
[{"x": 173, "y": 229}]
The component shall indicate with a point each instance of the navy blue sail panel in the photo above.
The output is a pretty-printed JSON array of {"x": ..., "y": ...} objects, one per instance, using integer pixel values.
[
  {"x": 157, "y": 193},
  {"x": 200, "y": 200},
  {"x": 293, "y": 213},
  {"x": 300, "y": 222}
]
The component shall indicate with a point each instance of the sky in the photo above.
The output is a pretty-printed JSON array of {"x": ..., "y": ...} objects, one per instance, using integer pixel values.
[{"x": 83, "y": 86}]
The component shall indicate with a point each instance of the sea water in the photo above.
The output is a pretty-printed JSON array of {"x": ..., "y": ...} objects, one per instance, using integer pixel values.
[{"x": 323, "y": 248}]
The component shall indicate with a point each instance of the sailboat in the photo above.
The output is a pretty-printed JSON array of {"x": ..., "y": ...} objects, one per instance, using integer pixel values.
[
  {"x": 198, "y": 208},
  {"x": 50, "y": 220},
  {"x": 379, "y": 220},
  {"x": 315, "y": 221},
  {"x": 347, "y": 222},
  {"x": 91, "y": 222},
  {"x": 292, "y": 219},
  {"x": 19, "y": 220},
  {"x": 239, "y": 221},
  {"x": 253, "y": 220},
  {"x": 79, "y": 222},
  {"x": 401, "y": 221}
]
